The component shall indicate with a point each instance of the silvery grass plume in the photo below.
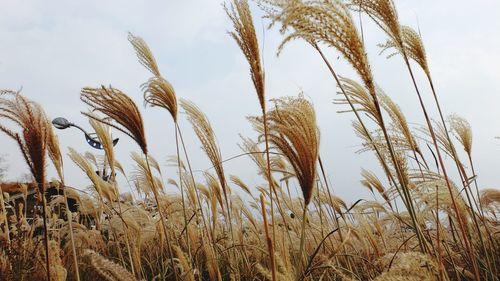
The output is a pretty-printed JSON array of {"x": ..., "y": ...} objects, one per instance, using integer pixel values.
[
  {"x": 157, "y": 90},
  {"x": 32, "y": 137},
  {"x": 413, "y": 47},
  {"x": 116, "y": 105},
  {"x": 294, "y": 133},
  {"x": 246, "y": 38},
  {"x": 147, "y": 181},
  {"x": 206, "y": 135},
  {"x": 125, "y": 117},
  {"x": 328, "y": 22},
  {"x": 384, "y": 13},
  {"x": 104, "y": 136},
  {"x": 160, "y": 93},
  {"x": 31, "y": 120},
  {"x": 244, "y": 35},
  {"x": 462, "y": 131}
]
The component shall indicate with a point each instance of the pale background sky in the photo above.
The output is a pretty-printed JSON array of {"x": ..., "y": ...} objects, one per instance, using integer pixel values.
[{"x": 53, "y": 49}]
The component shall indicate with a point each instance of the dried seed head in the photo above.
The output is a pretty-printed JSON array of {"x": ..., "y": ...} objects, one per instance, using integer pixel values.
[
  {"x": 32, "y": 123},
  {"x": 293, "y": 131},
  {"x": 413, "y": 47},
  {"x": 116, "y": 105},
  {"x": 462, "y": 131},
  {"x": 245, "y": 37},
  {"x": 144, "y": 54},
  {"x": 328, "y": 22}
]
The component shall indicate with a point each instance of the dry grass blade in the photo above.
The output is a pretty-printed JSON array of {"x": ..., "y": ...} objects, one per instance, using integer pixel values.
[
  {"x": 104, "y": 136},
  {"x": 120, "y": 108},
  {"x": 205, "y": 133}
]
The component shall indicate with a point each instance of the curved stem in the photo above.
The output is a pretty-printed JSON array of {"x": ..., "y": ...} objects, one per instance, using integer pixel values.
[
  {"x": 182, "y": 192},
  {"x": 461, "y": 224}
]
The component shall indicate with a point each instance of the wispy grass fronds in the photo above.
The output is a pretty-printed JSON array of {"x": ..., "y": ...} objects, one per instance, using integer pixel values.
[
  {"x": 413, "y": 46},
  {"x": 31, "y": 121},
  {"x": 328, "y": 22},
  {"x": 371, "y": 181},
  {"x": 462, "y": 131},
  {"x": 144, "y": 54},
  {"x": 104, "y": 135},
  {"x": 157, "y": 90},
  {"x": 293, "y": 131},
  {"x": 244, "y": 35},
  {"x": 206, "y": 135},
  {"x": 103, "y": 188},
  {"x": 116, "y": 105},
  {"x": 147, "y": 181},
  {"x": 384, "y": 13}
]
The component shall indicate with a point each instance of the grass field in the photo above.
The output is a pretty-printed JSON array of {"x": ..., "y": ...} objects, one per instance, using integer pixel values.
[{"x": 424, "y": 225}]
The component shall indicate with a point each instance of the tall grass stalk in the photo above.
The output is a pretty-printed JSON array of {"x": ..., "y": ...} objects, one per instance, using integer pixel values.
[{"x": 270, "y": 246}]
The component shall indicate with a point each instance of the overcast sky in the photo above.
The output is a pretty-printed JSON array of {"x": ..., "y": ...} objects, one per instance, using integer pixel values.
[{"x": 54, "y": 48}]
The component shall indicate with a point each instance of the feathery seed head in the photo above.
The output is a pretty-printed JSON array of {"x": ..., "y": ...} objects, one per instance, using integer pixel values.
[
  {"x": 462, "y": 131},
  {"x": 116, "y": 105},
  {"x": 31, "y": 120},
  {"x": 328, "y": 22},
  {"x": 159, "y": 92},
  {"x": 293, "y": 131},
  {"x": 244, "y": 35},
  {"x": 144, "y": 54},
  {"x": 384, "y": 13},
  {"x": 413, "y": 47}
]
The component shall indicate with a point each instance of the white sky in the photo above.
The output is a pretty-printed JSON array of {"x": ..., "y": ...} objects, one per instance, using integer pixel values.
[{"x": 53, "y": 49}]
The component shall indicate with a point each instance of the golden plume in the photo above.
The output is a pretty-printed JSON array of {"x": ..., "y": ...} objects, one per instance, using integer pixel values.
[
  {"x": 32, "y": 138},
  {"x": 157, "y": 90},
  {"x": 328, "y": 22},
  {"x": 413, "y": 46},
  {"x": 293, "y": 131},
  {"x": 462, "y": 131},
  {"x": 120, "y": 108},
  {"x": 144, "y": 54},
  {"x": 245, "y": 37},
  {"x": 205, "y": 133},
  {"x": 384, "y": 13}
]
